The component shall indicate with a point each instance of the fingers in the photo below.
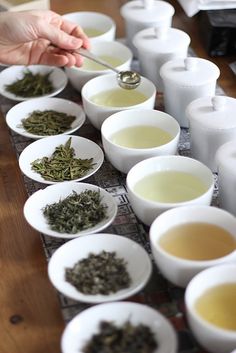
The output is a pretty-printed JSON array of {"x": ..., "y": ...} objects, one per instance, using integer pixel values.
[
  {"x": 76, "y": 31},
  {"x": 58, "y": 37},
  {"x": 60, "y": 58}
]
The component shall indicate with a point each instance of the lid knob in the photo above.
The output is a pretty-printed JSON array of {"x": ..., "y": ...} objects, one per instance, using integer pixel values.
[
  {"x": 161, "y": 32},
  {"x": 190, "y": 64},
  {"x": 147, "y": 4},
  {"x": 218, "y": 102}
]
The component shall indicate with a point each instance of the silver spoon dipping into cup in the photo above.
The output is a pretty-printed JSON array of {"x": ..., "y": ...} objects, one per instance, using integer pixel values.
[{"x": 126, "y": 79}]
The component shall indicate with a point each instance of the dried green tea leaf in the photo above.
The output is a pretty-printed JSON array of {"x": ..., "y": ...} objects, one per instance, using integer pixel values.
[
  {"x": 47, "y": 122},
  {"x": 121, "y": 339},
  {"x": 102, "y": 273},
  {"x": 31, "y": 85},
  {"x": 62, "y": 165},
  {"x": 76, "y": 212}
]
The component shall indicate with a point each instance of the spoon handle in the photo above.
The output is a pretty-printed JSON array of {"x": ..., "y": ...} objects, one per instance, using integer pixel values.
[{"x": 89, "y": 55}]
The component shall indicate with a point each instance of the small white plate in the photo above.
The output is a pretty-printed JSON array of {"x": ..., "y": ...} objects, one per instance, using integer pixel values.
[
  {"x": 54, "y": 193},
  {"x": 13, "y": 73},
  {"x": 84, "y": 325},
  {"x": 84, "y": 148},
  {"x": 24, "y": 109},
  {"x": 138, "y": 262}
]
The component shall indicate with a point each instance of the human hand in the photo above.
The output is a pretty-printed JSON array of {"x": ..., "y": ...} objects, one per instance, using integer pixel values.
[{"x": 40, "y": 37}]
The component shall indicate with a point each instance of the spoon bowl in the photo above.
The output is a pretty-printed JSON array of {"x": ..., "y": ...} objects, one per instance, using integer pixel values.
[{"x": 126, "y": 79}]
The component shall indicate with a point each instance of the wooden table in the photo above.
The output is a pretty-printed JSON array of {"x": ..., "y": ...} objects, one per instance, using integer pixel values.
[{"x": 30, "y": 316}]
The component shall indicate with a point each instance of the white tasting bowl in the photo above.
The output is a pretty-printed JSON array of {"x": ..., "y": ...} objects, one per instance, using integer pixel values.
[
  {"x": 214, "y": 339},
  {"x": 13, "y": 73},
  {"x": 138, "y": 264},
  {"x": 84, "y": 148},
  {"x": 78, "y": 76},
  {"x": 124, "y": 158},
  {"x": 147, "y": 210},
  {"x": 83, "y": 326},
  {"x": 22, "y": 110},
  {"x": 33, "y": 208},
  {"x": 94, "y": 20},
  {"x": 98, "y": 113},
  {"x": 179, "y": 270}
]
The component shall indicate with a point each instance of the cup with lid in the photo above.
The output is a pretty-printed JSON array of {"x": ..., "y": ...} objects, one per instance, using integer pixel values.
[
  {"x": 226, "y": 168},
  {"x": 141, "y": 14},
  {"x": 212, "y": 123},
  {"x": 156, "y": 46},
  {"x": 185, "y": 80}
]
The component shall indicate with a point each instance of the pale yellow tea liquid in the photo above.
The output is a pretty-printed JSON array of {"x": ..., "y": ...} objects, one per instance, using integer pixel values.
[
  {"x": 170, "y": 187},
  {"x": 141, "y": 137},
  {"x": 93, "y": 66},
  {"x": 198, "y": 241},
  {"x": 118, "y": 97},
  {"x": 218, "y": 306},
  {"x": 92, "y": 32}
]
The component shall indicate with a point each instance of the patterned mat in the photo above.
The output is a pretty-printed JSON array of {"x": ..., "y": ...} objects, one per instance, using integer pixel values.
[{"x": 158, "y": 293}]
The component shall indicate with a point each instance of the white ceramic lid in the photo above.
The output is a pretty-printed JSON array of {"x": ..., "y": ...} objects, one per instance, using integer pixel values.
[
  {"x": 189, "y": 72},
  {"x": 161, "y": 40},
  {"x": 147, "y": 11},
  {"x": 216, "y": 113},
  {"x": 226, "y": 157}
]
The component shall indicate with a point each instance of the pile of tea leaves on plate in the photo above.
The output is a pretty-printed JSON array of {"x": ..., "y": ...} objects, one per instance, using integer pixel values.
[
  {"x": 31, "y": 85},
  {"x": 76, "y": 212},
  {"x": 101, "y": 273},
  {"x": 128, "y": 338},
  {"x": 47, "y": 122},
  {"x": 62, "y": 165}
]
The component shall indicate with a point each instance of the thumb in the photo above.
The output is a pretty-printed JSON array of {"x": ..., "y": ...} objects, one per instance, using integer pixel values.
[{"x": 60, "y": 38}]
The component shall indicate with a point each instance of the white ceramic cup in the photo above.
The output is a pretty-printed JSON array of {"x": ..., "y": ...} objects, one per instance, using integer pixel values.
[
  {"x": 94, "y": 22},
  {"x": 179, "y": 270},
  {"x": 184, "y": 81},
  {"x": 98, "y": 113},
  {"x": 226, "y": 167},
  {"x": 78, "y": 76},
  {"x": 147, "y": 210},
  {"x": 141, "y": 14},
  {"x": 156, "y": 46},
  {"x": 124, "y": 158},
  {"x": 214, "y": 339}
]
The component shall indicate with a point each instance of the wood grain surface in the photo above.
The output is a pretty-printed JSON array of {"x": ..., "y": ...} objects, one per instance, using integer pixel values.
[{"x": 30, "y": 316}]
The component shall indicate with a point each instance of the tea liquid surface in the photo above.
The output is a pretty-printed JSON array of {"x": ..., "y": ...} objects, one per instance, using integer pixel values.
[
  {"x": 218, "y": 306},
  {"x": 170, "y": 187},
  {"x": 92, "y": 32},
  {"x": 93, "y": 66},
  {"x": 118, "y": 97},
  {"x": 141, "y": 137},
  {"x": 198, "y": 241}
]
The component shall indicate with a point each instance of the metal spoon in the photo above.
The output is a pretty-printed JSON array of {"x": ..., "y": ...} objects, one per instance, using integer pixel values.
[{"x": 126, "y": 79}]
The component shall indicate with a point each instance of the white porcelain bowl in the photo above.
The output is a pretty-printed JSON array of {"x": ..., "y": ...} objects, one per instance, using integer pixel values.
[
  {"x": 22, "y": 110},
  {"x": 179, "y": 270},
  {"x": 124, "y": 158},
  {"x": 80, "y": 329},
  {"x": 213, "y": 338},
  {"x": 33, "y": 208},
  {"x": 137, "y": 261},
  {"x": 78, "y": 76},
  {"x": 98, "y": 113},
  {"x": 84, "y": 149},
  {"x": 147, "y": 210},
  {"x": 11, "y": 74},
  {"x": 96, "y": 25}
]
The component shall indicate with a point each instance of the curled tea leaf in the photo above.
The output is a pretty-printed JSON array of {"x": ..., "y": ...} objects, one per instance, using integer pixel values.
[{"x": 76, "y": 212}]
